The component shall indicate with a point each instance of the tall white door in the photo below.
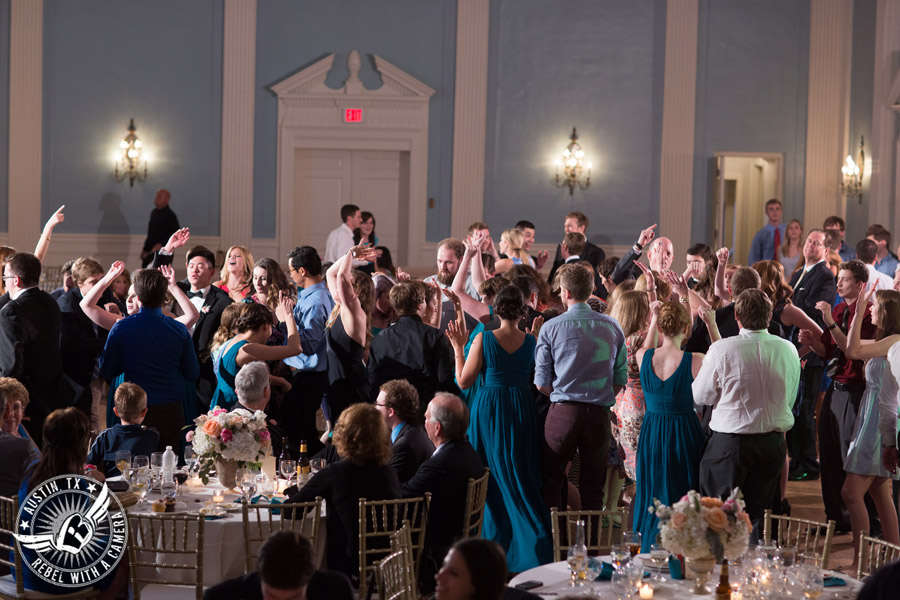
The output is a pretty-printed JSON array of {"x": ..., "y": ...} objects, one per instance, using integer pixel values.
[{"x": 325, "y": 180}]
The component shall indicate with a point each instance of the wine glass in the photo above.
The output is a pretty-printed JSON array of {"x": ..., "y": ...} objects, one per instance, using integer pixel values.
[
  {"x": 190, "y": 458},
  {"x": 633, "y": 540},
  {"x": 621, "y": 582},
  {"x": 123, "y": 460},
  {"x": 288, "y": 469},
  {"x": 316, "y": 465},
  {"x": 814, "y": 586},
  {"x": 658, "y": 557},
  {"x": 619, "y": 555},
  {"x": 140, "y": 485}
]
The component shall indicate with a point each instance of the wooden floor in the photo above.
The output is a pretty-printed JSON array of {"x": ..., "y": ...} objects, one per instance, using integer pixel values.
[{"x": 806, "y": 503}]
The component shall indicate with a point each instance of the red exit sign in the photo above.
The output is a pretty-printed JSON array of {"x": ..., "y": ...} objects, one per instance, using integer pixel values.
[{"x": 353, "y": 115}]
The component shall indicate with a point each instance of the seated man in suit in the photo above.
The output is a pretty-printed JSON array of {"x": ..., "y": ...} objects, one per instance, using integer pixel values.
[
  {"x": 284, "y": 571},
  {"x": 446, "y": 475},
  {"x": 398, "y": 403}
]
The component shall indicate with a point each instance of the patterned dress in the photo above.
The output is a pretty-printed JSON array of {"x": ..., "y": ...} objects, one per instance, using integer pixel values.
[{"x": 629, "y": 407}]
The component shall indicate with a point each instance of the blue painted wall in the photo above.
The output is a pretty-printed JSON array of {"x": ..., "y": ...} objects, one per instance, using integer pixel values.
[
  {"x": 418, "y": 37},
  {"x": 4, "y": 114},
  {"x": 601, "y": 72},
  {"x": 752, "y": 84},
  {"x": 104, "y": 63},
  {"x": 862, "y": 80}
]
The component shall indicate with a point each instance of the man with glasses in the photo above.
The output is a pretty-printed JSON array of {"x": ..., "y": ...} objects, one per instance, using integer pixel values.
[
  {"x": 812, "y": 284},
  {"x": 29, "y": 341}
]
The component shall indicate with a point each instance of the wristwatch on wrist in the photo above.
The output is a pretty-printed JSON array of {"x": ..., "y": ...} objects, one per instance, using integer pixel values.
[
  {"x": 832, "y": 326},
  {"x": 639, "y": 246}
]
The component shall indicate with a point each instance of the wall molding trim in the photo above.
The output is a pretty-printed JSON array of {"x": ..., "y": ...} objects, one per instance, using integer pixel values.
[
  {"x": 883, "y": 189},
  {"x": 676, "y": 177},
  {"x": 26, "y": 72},
  {"x": 238, "y": 85},
  {"x": 469, "y": 113}
]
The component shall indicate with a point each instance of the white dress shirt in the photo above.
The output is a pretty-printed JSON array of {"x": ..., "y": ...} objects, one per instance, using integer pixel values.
[
  {"x": 885, "y": 282},
  {"x": 339, "y": 243},
  {"x": 889, "y": 399},
  {"x": 198, "y": 301},
  {"x": 751, "y": 382}
]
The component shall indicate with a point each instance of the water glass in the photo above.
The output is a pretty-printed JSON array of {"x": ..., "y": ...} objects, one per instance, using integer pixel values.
[
  {"x": 658, "y": 558},
  {"x": 141, "y": 462},
  {"x": 316, "y": 465},
  {"x": 156, "y": 461},
  {"x": 123, "y": 460},
  {"x": 140, "y": 485},
  {"x": 248, "y": 485},
  {"x": 190, "y": 458},
  {"x": 619, "y": 555},
  {"x": 788, "y": 555},
  {"x": 577, "y": 560},
  {"x": 621, "y": 583},
  {"x": 288, "y": 469},
  {"x": 633, "y": 540},
  {"x": 168, "y": 487}
]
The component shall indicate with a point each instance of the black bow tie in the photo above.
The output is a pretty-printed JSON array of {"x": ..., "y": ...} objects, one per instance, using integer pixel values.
[{"x": 195, "y": 294}]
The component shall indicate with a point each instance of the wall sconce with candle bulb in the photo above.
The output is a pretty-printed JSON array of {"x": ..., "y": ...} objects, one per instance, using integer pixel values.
[
  {"x": 130, "y": 164},
  {"x": 573, "y": 165},
  {"x": 852, "y": 174}
]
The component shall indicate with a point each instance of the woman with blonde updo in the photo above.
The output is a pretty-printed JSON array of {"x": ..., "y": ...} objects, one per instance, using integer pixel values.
[{"x": 671, "y": 439}]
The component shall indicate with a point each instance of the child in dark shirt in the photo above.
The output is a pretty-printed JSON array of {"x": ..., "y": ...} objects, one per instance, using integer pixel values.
[{"x": 131, "y": 408}]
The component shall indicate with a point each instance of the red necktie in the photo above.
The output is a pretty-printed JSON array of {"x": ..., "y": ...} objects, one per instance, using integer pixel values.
[{"x": 777, "y": 243}]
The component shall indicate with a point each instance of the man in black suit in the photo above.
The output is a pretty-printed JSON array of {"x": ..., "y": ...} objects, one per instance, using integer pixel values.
[
  {"x": 398, "y": 403},
  {"x": 577, "y": 222},
  {"x": 284, "y": 571},
  {"x": 446, "y": 475},
  {"x": 813, "y": 283},
  {"x": 80, "y": 340},
  {"x": 29, "y": 341},
  {"x": 209, "y": 300}
]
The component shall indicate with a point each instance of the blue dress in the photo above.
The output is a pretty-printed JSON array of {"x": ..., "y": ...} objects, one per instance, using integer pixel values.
[
  {"x": 864, "y": 454},
  {"x": 669, "y": 446},
  {"x": 503, "y": 429},
  {"x": 225, "y": 396}
]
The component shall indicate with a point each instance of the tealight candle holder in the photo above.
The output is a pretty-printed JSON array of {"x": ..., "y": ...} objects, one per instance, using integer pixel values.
[
  {"x": 645, "y": 591},
  {"x": 218, "y": 498}
]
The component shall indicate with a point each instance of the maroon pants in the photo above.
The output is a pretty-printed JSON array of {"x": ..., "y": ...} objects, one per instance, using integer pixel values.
[{"x": 571, "y": 426}]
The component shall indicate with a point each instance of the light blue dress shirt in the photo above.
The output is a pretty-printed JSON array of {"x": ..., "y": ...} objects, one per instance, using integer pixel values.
[
  {"x": 887, "y": 265},
  {"x": 763, "y": 246},
  {"x": 581, "y": 353},
  {"x": 314, "y": 304}
]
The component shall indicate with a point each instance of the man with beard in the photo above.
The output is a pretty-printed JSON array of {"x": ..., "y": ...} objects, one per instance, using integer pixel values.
[{"x": 449, "y": 255}]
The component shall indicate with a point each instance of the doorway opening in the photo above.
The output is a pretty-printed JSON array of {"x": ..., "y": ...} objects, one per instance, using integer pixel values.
[{"x": 745, "y": 181}]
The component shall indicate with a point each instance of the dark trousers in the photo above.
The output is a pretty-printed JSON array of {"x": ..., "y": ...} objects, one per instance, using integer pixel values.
[
  {"x": 299, "y": 407},
  {"x": 572, "y": 426},
  {"x": 801, "y": 439},
  {"x": 837, "y": 420},
  {"x": 167, "y": 419},
  {"x": 750, "y": 462}
]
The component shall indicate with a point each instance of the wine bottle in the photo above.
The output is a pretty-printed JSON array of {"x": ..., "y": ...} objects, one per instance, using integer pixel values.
[{"x": 285, "y": 455}]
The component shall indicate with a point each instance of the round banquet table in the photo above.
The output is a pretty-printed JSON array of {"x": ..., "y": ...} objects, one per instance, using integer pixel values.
[
  {"x": 555, "y": 579},
  {"x": 223, "y": 538}
]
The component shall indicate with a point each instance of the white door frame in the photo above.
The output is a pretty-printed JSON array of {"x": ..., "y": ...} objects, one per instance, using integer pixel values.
[
  {"x": 718, "y": 208},
  {"x": 395, "y": 117}
]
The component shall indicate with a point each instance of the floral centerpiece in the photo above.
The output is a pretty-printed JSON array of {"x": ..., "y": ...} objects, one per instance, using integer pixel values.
[
  {"x": 239, "y": 437},
  {"x": 697, "y": 526}
]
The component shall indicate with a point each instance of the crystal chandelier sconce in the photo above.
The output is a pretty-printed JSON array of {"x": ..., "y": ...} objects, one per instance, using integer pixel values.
[
  {"x": 852, "y": 174},
  {"x": 573, "y": 165},
  {"x": 130, "y": 165}
]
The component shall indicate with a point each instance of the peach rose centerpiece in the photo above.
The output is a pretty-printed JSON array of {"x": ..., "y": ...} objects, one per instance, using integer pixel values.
[
  {"x": 697, "y": 526},
  {"x": 238, "y": 436}
]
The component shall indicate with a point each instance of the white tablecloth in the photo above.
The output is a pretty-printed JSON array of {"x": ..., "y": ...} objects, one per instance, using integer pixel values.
[
  {"x": 555, "y": 578},
  {"x": 223, "y": 539}
]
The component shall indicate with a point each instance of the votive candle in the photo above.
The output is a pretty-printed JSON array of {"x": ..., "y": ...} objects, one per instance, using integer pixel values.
[
  {"x": 646, "y": 592},
  {"x": 218, "y": 497}
]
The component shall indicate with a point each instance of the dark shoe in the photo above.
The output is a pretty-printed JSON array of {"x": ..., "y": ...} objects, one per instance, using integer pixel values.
[
  {"x": 785, "y": 508},
  {"x": 803, "y": 476}
]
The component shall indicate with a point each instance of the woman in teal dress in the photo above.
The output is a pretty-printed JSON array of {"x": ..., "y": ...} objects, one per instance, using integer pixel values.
[
  {"x": 253, "y": 326},
  {"x": 503, "y": 429},
  {"x": 671, "y": 440}
]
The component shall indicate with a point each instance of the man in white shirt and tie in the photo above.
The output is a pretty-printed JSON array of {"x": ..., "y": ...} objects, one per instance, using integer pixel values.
[
  {"x": 751, "y": 382},
  {"x": 340, "y": 240}
]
